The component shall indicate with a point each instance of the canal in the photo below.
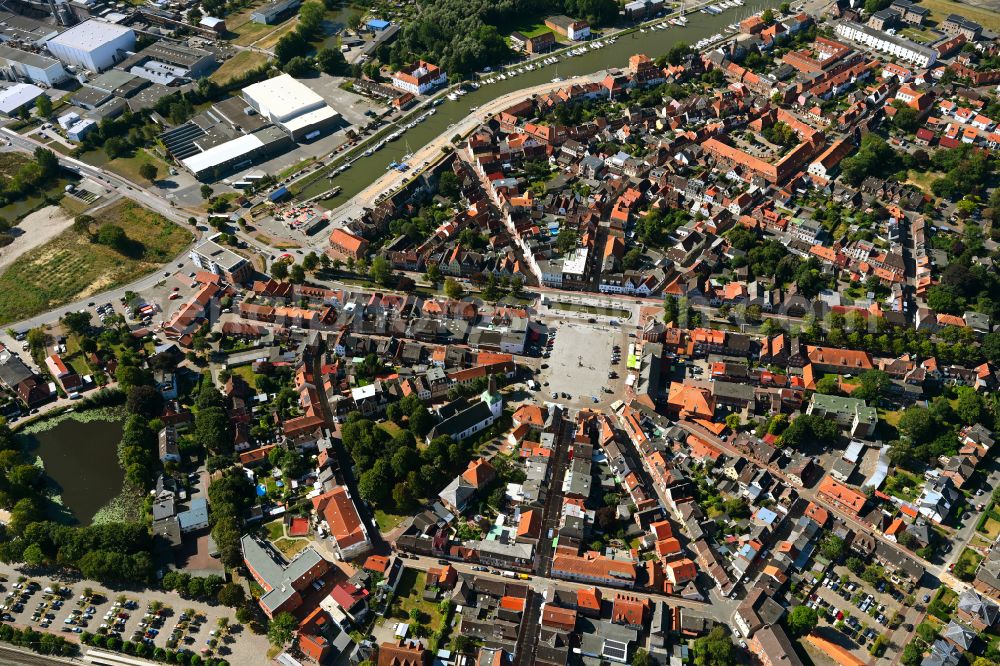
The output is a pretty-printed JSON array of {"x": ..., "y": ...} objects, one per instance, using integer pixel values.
[
  {"x": 653, "y": 43},
  {"x": 81, "y": 458}
]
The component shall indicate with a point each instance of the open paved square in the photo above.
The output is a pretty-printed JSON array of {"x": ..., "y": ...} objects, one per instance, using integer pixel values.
[{"x": 581, "y": 358}]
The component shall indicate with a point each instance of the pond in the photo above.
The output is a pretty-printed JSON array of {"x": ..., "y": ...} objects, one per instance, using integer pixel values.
[
  {"x": 81, "y": 458},
  {"x": 16, "y": 210}
]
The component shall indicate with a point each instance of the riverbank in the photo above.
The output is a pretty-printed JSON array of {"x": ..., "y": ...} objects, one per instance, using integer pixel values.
[{"x": 450, "y": 113}]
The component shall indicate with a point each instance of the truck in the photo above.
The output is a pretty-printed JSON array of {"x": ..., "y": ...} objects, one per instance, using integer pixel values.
[{"x": 508, "y": 574}]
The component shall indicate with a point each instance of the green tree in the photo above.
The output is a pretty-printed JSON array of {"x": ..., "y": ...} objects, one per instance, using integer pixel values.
[
  {"x": 206, "y": 191},
  {"x": 833, "y": 548},
  {"x": 43, "y": 104},
  {"x": 331, "y": 61},
  {"x": 380, "y": 270},
  {"x": 802, "y": 620},
  {"x": 148, "y": 171},
  {"x": 872, "y": 385},
  {"x": 279, "y": 270},
  {"x": 452, "y": 288},
  {"x": 642, "y": 658},
  {"x": 433, "y": 274},
  {"x": 715, "y": 649},
  {"x": 113, "y": 236},
  {"x": 279, "y": 630}
]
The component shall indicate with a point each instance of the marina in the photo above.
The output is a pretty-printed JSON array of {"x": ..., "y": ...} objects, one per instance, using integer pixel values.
[{"x": 697, "y": 29}]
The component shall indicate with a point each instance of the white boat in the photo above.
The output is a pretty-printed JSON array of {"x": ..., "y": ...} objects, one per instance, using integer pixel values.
[
  {"x": 452, "y": 96},
  {"x": 557, "y": 79},
  {"x": 642, "y": 30}
]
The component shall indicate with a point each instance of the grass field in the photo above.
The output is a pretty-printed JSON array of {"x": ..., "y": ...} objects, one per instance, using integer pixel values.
[
  {"x": 991, "y": 528},
  {"x": 409, "y": 595},
  {"x": 246, "y": 372},
  {"x": 387, "y": 521},
  {"x": 940, "y": 9},
  {"x": 921, "y": 36},
  {"x": 291, "y": 547},
  {"x": 533, "y": 29},
  {"x": 903, "y": 485},
  {"x": 239, "y": 64},
  {"x": 71, "y": 267},
  {"x": 269, "y": 41},
  {"x": 11, "y": 162},
  {"x": 129, "y": 166},
  {"x": 923, "y": 180},
  {"x": 970, "y": 557}
]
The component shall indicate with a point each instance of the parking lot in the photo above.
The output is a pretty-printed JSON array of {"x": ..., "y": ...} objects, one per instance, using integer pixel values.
[
  {"x": 859, "y": 612},
  {"x": 158, "y": 619}
]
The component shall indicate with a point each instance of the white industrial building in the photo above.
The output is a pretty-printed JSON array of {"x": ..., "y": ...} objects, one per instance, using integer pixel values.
[
  {"x": 290, "y": 105},
  {"x": 18, "y": 65},
  {"x": 94, "y": 45},
  {"x": 18, "y": 96}
]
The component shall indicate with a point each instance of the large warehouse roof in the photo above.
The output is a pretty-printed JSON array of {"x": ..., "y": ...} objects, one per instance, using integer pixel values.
[
  {"x": 90, "y": 35},
  {"x": 16, "y": 96},
  {"x": 282, "y": 97},
  {"x": 223, "y": 153}
]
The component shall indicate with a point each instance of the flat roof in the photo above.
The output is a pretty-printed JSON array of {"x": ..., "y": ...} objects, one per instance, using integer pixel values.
[
  {"x": 310, "y": 118},
  {"x": 283, "y": 97},
  {"x": 16, "y": 96},
  {"x": 90, "y": 34},
  {"x": 223, "y": 152},
  {"x": 26, "y": 57}
]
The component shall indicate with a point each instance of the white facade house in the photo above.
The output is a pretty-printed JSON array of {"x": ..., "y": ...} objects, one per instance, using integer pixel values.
[
  {"x": 419, "y": 78},
  {"x": 94, "y": 45},
  {"x": 900, "y": 47}
]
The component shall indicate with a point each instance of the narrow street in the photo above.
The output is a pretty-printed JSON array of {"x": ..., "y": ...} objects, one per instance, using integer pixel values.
[{"x": 345, "y": 463}]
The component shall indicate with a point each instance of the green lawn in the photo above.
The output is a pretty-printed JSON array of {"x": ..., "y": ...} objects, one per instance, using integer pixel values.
[
  {"x": 991, "y": 528},
  {"x": 940, "y": 9},
  {"x": 922, "y": 36},
  {"x": 390, "y": 427},
  {"x": 275, "y": 530},
  {"x": 71, "y": 267},
  {"x": 291, "y": 547},
  {"x": 903, "y": 485},
  {"x": 239, "y": 64},
  {"x": 246, "y": 372},
  {"x": 128, "y": 167},
  {"x": 533, "y": 29},
  {"x": 409, "y": 595},
  {"x": 387, "y": 521}
]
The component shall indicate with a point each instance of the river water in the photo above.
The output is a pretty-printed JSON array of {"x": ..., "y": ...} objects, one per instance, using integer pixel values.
[
  {"x": 653, "y": 43},
  {"x": 81, "y": 457}
]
